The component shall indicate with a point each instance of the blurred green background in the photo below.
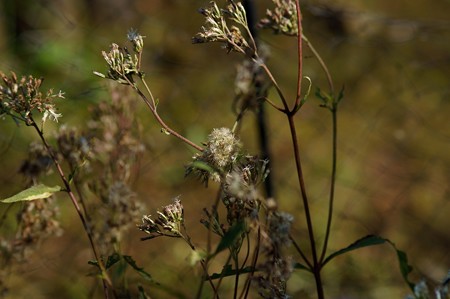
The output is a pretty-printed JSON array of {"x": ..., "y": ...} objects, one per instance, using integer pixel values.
[{"x": 393, "y": 57}]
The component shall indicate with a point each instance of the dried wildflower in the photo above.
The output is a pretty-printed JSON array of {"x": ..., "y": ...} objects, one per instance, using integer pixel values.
[
  {"x": 168, "y": 223},
  {"x": 37, "y": 222},
  {"x": 217, "y": 29},
  {"x": 282, "y": 19},
  {"x": 37, "y": 162},
  {"x": 240, "y": 194},
  {"x": 276, "y": 270},
  {"x": 118, "y": 212},
  {"x": 279, "y": 228},
  {"x": 19, "y": 98},
  {"x": 74, "y": 147},
  {"x": 222, "y": 147},
  {"x": 251, "y": 85},
  {"x": 136, "y": 39},
  {"x": 122, "y": 65},
  {"x": 112, "y": 148},
  {"x": 221, "y": 151},
  {"x": 114, "y": 139}
]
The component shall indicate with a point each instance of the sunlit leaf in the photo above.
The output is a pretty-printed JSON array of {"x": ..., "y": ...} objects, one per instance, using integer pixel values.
[{"x": 35, "y": 192}]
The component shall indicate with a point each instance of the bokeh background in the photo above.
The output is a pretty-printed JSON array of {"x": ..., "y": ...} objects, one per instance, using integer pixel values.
[{"x": 393, "y": 57}]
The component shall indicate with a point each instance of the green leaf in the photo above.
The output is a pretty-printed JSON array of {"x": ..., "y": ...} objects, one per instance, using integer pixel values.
[
  {"x": 140, "y": 270},
  {"x": 228, "y": 270},
  {"x": 230, "y": 236},
  {"x": 405, "y": 268},
  {"x": 372, "y": 240},
  {"x": 35, "y": 192},
  {"x": 112, "y": 259},
  {"x": 301, "y": 267},
  {"x": 203, "y": 166}
]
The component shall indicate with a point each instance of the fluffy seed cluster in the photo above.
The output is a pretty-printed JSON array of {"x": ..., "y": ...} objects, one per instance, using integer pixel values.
[
  {"x": 222, "y": 147},
  {"x": 221, "y": 152}
]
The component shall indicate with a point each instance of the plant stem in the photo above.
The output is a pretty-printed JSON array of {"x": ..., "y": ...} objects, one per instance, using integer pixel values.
[
  {"x": 152, "y": 106},
  {"x": 301, "y": 183},
  {"x": 105, "y": 278},
  {"x": 299, "y": 56},
  {"x": 333, "y": 181}
]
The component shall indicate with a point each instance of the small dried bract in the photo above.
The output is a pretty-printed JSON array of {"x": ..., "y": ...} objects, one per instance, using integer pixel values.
[
  {"x": 168, "y": 223},
  {"x": 282, "y": 19},
  {"x": 123, "y": 64},
  {"x": 218, "y": 29},
  {"x": 20, "y": 97}
]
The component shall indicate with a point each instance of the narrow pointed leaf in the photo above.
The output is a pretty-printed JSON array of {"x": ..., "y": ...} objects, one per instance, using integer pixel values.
[
  {"x": 229, "y": 271},
  {"x": 230, "y": 237},
  {"x": 140, "y": 270},
  {"x": 35, "y": 192},
  {"x": 301, "y": 267},
  {"x": 369, "y": 240},
  {"x": 372, "y": 240}
]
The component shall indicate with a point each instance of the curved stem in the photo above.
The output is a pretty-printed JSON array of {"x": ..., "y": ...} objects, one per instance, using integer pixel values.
[
  {"x": 161, "y": 122},
  {"x": 277, "y": 87},
  {"x": 105, "y": 278},
  {"x": 321, "y": 62}
]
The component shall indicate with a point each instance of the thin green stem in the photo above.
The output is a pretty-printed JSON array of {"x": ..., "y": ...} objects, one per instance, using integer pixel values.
[
  {"x": 321, "y": 62},
  {"x": 333, "y": 181}
]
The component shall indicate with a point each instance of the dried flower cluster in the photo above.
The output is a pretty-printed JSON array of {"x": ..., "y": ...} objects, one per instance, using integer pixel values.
[
  {"x": 218, "y": 29},
  {"x": 277, "y": 268},
  {"x": 282, "y": 19},
  {"x": 169, "y": 221},
  {"x": 240, "y": 193},
  {"x": 20, "y": 97},
  {"x": 123, "y": 65},
  {"x": 251, "y": 85},
  {"x": 221, "y": 152},
  {"x": 118, "y": 211},
  {"x": 114, "y": 150},
  {"x": 37, "y": 222},
  {"x": 36, "y": 164},
  {"x": 73, "y": 147}
]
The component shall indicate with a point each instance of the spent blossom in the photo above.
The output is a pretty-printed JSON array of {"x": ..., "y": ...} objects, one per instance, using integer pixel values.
[
  {"x": 20, "y": 97},
  {"x": 282, "y": 19},
  {"x": 217, "y": 27},
  {"x": 168, "y": 222}
]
